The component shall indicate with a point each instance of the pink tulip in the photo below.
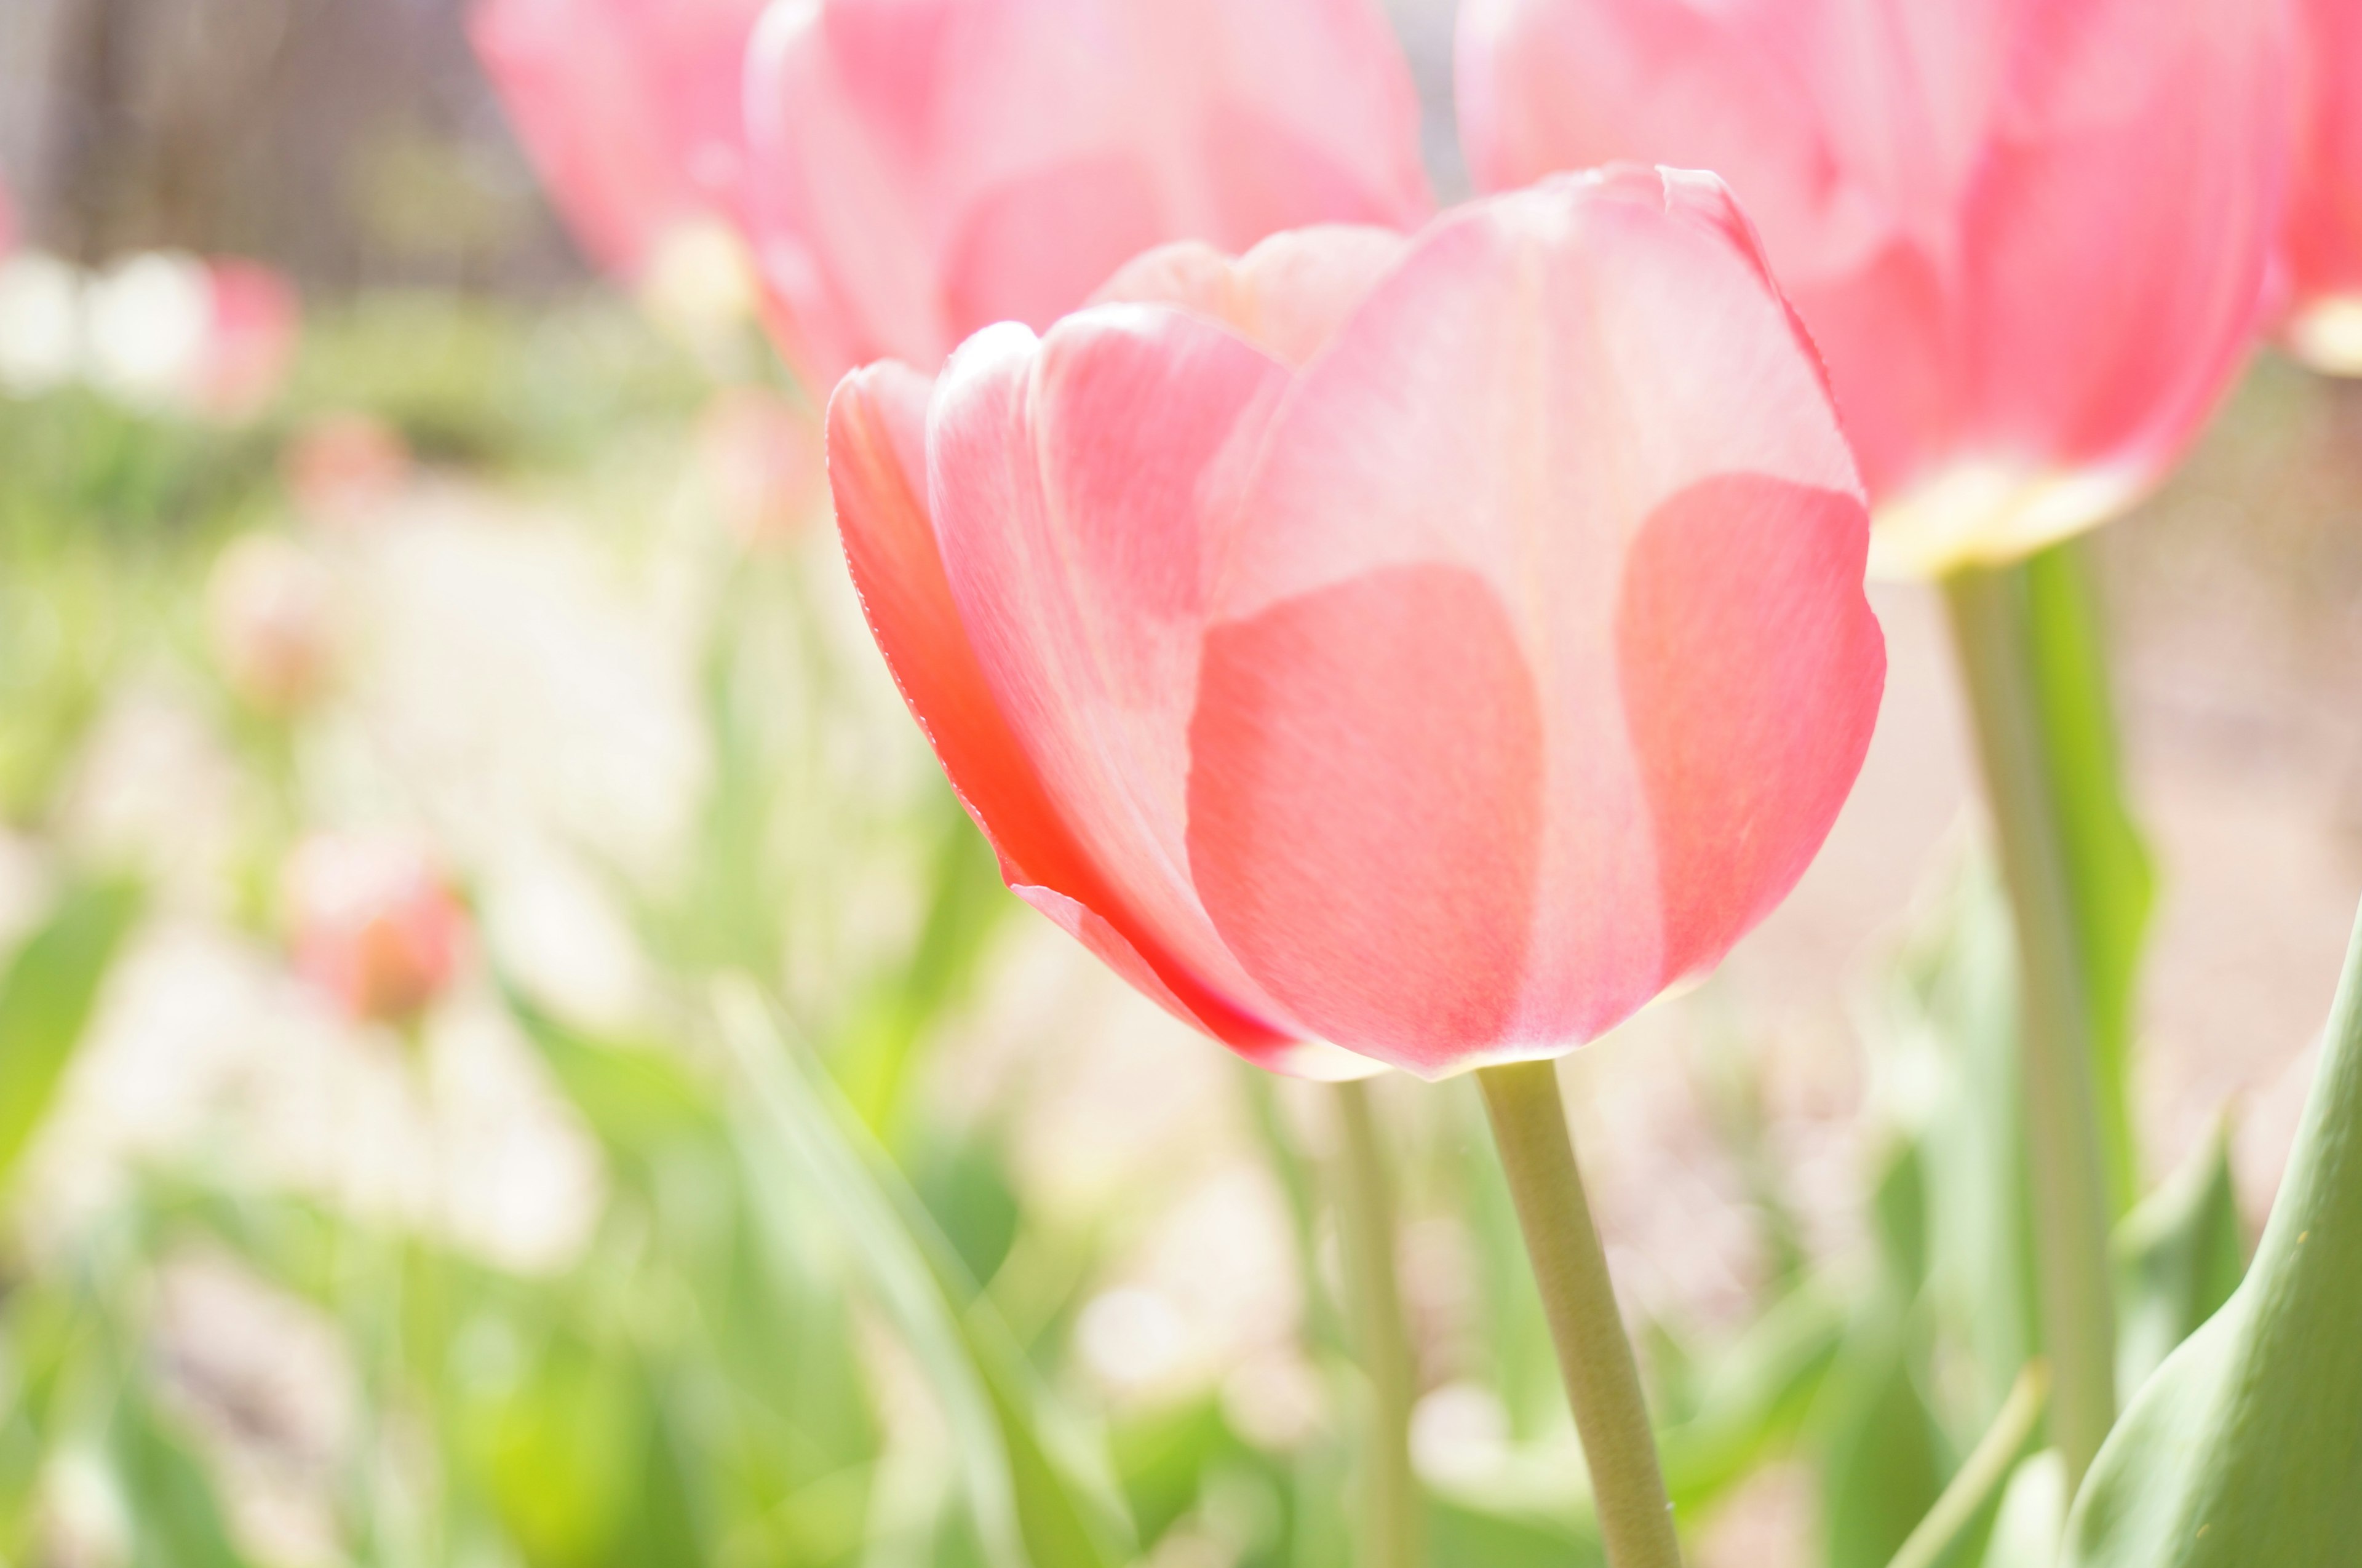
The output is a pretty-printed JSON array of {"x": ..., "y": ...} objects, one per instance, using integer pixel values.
[
  {"x": 924, "y": 168},
  {"x": 256, "y": 323},
  {"x": 629, "y": 109},
  {"x": 2324, "y": 245},
  {"x": 1432, "y": 647},
  {"x": 2030, "y": 235},
  {"x": 375, "y": 924}
]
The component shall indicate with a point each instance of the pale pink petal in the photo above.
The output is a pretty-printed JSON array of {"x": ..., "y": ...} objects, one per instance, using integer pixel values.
[
  {"x": 877, "y": 465},
  {"x": 1287, "y": 296},
  {"x": 2028, "y": 238},
  {"x": 631, "y": 110},
  {"x": 1496, "y": 428},
  {"x": 924, "y": 170}
]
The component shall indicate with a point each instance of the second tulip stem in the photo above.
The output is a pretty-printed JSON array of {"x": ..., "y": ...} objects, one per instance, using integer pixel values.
[
  {"x": 1603, "y": 1380},
  {"x": 2068, "y": 1174},
  {"x": 1390, "y": 1511}
]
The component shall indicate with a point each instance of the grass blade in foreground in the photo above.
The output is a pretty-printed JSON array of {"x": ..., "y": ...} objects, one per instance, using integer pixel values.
[
  {"x": 46, "y": 998},
  {"x": 1030, "y": 1508},
  {"x": 2246, "y": 1447},
  {"x": 1992, "y": 623}
]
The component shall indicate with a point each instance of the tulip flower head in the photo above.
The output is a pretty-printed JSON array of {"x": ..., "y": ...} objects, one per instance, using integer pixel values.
[
  {"x": 924, "y": 168},
  {"x": 341, "y": 468},
  {"x": 375, "y": 924},
  {"x": 1383, "y": 650},
  {"x": 630, "y": 111},
  {"x": 2030, "y": 237},
  {"x": 2323, "y": 240}
]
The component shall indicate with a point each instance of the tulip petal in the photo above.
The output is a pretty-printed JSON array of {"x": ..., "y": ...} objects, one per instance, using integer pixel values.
[
  {"x": 1078, "y": 484},
  {"x": 877, "y": 451},
  {"x": 1515, "y": 402},
  {"x": 1365, "y": 809},
  {"x": 1287, "y": 296},
  {"x": 1752, "y": 668}
]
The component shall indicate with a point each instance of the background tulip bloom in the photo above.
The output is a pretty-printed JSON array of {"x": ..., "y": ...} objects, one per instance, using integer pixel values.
[
  {"x": 2030, "y": 238},
  {"x": 630, "y": 111},
  {"x": 1431, "y": 647},
  {"x": 374, "y": 924},
  {"x": 922, "y": 168},
  {"x": 2323, "y": 244}
]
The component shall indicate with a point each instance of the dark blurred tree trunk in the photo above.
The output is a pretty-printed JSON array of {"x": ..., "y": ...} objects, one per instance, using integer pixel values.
[{"x": 94, "y": 145}]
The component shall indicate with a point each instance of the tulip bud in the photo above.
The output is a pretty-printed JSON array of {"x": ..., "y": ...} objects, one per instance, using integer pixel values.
[
  {"x": 374, "y": 924},
  {"x": 271, "y": 612}
]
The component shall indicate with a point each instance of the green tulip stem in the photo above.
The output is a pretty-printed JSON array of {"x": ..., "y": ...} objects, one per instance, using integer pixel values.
[
  {"x": 2067, "y": 1177},
  {"x": 1388, "y": 1492},
  {"x": 1603, "y": 1381}
]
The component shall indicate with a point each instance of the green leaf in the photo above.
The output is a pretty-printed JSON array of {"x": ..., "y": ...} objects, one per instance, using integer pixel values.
[
  {"x": 2179, "y": 1257},
  {"x": 46, "y": 998},
  {"x": 636, "y": 1097},
  {"x": 2033, "y": 1515},
  {"x": 2245, "y": 1448},
  {"x": 1883, "y": 1457},
  {"x": 179, "y": 1521},
  {"x": 1035, "y": 1498},
  {"x": 1754, "y": 1400},
  {"x": 2109, "y": 881},
  {"x": 1964, "y": 1513}
]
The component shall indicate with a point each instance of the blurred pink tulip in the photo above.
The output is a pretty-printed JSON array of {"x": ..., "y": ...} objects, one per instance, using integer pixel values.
[
  {"x": 924, "y": 168},
  {"x": 374, "y": 922},
  {"x": 1432, "y": 647},
  {"x": 256, "y": 323},
  {"x": 629, "y": 109},
  {"x": 2325, "y": 228},
  {"x": 2030, "y": 235}
]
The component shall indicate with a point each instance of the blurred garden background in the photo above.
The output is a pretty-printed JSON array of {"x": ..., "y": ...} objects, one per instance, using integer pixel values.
[{"x": 730, "y": 1171}]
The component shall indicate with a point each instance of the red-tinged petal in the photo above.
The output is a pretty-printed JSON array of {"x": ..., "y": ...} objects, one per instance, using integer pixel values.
[
  {"x": 1752, "y": 672},
  {"x": 877, "y": 464},
  {"x": 1537, "y": 378},
  {"x": 1079, "y": 487},
  {"x": 1287, "y": 296},
  {"x": 1251, "y": 1039},
  {"x": 1365, "y": 809}
]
